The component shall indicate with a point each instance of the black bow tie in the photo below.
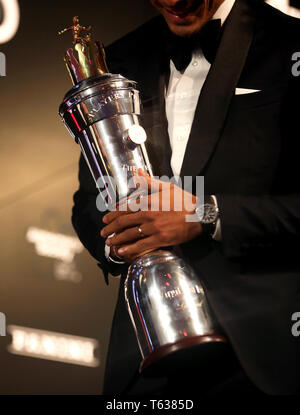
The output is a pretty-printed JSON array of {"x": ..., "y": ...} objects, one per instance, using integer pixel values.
[{"x": 180, "y": 49}]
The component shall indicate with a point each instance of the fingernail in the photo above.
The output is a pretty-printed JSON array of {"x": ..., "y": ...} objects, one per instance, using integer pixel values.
[
  {"x": 122, "y": 251},
  {"x": 102, "y": 233},
  {"x": 108, "y": 242},
  {"x": 104, "y": 219}
]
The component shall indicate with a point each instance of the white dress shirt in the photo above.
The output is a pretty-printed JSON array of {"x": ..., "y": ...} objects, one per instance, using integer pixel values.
[
  {"x": 182, "y": 96},
  {"x": 181, "y": 100}
]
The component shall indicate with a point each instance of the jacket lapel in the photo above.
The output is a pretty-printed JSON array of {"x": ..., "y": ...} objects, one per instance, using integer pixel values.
[
  {"x": 219, "y": 88},
  {"x": 154, "y": 80}
]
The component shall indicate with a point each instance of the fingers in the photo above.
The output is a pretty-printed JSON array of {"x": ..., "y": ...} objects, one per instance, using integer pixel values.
[
  {"x": 142, "y": 202},
  {"x": 128, "y": 235},
  {"x": 114, "y": 252},
  {"x": 111, "y": 216},
  {"x": 131, "y": 206},
  {"x": 122, "y": 222},
  {"x": 138, "y": 248},
  {"x": 142, "y": 173},
  {"x": 132, "y": 234},
  {"x": 154, "y": 185}
]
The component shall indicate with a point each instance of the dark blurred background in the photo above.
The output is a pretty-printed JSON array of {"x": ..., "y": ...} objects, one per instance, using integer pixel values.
[
  {"x": 57, "y": 306},
  {"x": 47, "y": 281}
]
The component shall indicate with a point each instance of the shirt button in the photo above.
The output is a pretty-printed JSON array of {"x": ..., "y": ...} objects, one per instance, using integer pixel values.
[
  {"x": 179, "y": 138},
  {"x": 195, "y": 63}
]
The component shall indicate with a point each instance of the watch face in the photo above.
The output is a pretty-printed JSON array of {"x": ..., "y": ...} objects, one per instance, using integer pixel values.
[{"x": 207, "y": 213}]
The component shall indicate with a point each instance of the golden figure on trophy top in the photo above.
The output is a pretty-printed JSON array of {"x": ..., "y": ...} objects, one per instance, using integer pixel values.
[
  {"x": 87, "y": 57},
  {"x": 76, "y": 30}
]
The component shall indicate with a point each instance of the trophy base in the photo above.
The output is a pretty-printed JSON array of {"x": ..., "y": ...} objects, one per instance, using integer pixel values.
[{"x": 208, "y": 353}]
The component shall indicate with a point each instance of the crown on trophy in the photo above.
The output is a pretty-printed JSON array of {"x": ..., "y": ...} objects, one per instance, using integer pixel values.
[{"x": 87, "y": 57}]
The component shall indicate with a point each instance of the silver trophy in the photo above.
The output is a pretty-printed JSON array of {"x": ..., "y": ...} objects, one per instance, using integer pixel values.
[{"x": 166, "y": 300}]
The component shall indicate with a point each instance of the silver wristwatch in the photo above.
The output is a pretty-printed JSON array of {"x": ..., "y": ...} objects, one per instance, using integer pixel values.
[{"x": 207, "y": 214}]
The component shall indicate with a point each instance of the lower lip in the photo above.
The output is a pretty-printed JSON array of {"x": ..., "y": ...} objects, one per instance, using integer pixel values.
[{"x": 175, "y": 18}]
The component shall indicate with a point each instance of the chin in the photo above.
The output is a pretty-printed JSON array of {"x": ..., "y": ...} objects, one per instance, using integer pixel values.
[{"x": 185, "y": 30}]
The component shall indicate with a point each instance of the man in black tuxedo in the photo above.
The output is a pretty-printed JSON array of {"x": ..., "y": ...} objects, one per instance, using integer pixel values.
[{"x": 246, "y": 147}]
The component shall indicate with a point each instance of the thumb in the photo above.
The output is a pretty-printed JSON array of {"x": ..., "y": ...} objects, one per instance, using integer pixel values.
[
  {"x": 154, "y": 185},
  {"x": 142, "y": 173}
]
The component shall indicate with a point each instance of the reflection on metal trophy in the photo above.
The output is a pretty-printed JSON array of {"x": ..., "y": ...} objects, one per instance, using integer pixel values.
[{"x": 166, "y": 301}]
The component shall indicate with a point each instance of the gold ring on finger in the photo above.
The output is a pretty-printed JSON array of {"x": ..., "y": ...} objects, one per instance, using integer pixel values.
[{"x": 141, "y": 234}]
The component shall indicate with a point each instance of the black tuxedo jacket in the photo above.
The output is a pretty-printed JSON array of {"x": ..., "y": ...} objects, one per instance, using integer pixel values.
[{"x": 246, "y": 147}]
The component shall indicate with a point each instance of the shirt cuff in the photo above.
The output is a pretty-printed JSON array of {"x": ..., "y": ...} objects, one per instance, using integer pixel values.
[{"x": 115, "y": 260}]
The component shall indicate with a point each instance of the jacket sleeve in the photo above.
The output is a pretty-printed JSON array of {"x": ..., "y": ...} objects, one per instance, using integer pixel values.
[
  {"x": 87, "y": 221},
  {"x": 259, "y": 222}
]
